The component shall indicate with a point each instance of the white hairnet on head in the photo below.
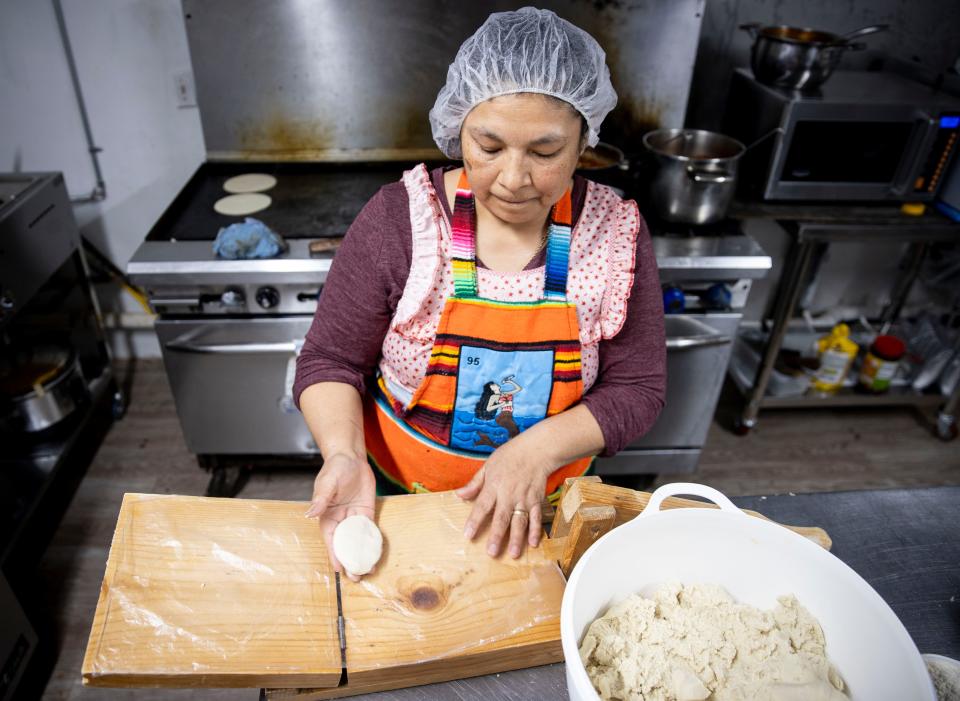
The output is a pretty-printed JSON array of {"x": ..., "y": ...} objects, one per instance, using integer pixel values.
[{"x": 528, "y": 50}]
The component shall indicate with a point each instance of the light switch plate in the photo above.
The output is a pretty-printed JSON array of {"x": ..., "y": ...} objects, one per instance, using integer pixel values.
[{"x": 186, "y": 95}]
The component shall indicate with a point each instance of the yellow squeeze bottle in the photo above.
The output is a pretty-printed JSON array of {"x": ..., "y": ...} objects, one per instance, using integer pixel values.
[{"x": 837, "y": 353}]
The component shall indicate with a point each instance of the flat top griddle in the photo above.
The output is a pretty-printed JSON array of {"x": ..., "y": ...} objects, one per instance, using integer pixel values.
[{"x": 310, "y": 200}]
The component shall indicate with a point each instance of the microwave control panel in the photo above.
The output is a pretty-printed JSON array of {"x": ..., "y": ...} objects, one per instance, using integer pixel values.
[{"x": 941, "y": 152}]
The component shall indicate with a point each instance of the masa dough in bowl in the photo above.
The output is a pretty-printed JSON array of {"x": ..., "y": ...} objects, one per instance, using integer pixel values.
[
  {"x": 358, "y": 544},
  {"x": 945, "y": 673},
  {"x": 694, "y": 642}
]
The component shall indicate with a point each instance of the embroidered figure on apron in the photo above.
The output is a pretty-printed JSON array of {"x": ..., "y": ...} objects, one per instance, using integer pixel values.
[
  {"x": 496, "y": 369},
  {"x": 496, "y": 403}
]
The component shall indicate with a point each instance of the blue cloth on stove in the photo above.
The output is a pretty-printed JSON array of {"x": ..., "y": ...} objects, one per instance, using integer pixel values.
[{"x": 250, "y": 238}]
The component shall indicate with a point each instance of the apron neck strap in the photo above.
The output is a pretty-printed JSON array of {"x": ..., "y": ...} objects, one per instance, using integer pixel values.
[{"x": 464, "y": 251}]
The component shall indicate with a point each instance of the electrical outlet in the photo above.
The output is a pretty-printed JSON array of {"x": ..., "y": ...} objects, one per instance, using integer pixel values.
[{"x": 183, "y": 83}]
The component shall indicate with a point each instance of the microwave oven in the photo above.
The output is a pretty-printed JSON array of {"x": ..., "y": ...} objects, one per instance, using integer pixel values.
[{"x": 862, "y": 136}]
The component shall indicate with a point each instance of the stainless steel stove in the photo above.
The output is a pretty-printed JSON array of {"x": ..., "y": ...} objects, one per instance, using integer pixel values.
[
  {"x": 310, "y": 202},
  {"x": 230, "y": 330}
]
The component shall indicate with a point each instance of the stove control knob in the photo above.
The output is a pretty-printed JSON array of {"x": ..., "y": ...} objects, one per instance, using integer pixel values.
[
  {"x": 232, "y": 298},
  {"x": 268, "y": 297}
]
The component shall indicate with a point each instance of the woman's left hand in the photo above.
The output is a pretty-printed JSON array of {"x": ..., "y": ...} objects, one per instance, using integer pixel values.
[{"x": 508, "y": 489}]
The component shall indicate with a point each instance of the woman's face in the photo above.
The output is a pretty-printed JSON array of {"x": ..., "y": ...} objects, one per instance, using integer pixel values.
[{"x": 519, "y": 152}]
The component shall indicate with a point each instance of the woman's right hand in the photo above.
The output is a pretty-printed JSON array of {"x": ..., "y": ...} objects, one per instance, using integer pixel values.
[{"x": 344, "y": 486}]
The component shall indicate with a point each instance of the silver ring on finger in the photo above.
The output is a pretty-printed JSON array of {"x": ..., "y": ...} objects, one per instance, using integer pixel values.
[{"x": 521, "y": 512}]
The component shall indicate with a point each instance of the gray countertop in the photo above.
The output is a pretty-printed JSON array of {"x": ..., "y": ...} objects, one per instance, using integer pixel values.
[{"x": 904, "y": 542}]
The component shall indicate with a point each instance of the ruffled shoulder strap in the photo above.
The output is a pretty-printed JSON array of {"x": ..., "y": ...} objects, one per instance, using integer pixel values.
[
  {"x": 603, "y": 256},
  {"x": 427, "y": 224},
  {"x": 623, "y": 258}
]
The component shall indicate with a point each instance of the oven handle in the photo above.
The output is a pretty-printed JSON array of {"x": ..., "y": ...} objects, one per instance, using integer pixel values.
[
  {"x": 690, "y": 342},
  {"x": 188, "y": 347},
  {"x": 707, "y": 337},
  {"x": 919, "y": 145}
]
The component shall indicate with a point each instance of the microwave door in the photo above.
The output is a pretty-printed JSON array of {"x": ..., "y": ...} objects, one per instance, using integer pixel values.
[
  {"x": 842, "y": 156},
  {"x": 924, "y": 134},
  {"x": 843, "y": 159}
]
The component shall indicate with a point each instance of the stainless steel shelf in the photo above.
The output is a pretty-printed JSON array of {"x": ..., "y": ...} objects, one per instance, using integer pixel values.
[
  {"x": 878, "y": 214},
  {"x": 849, "y": 397},
  {"x": 810, "y": 227}
]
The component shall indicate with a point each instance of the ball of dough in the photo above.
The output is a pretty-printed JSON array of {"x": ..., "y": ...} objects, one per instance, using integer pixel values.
[{"x": 358, "y": 544}]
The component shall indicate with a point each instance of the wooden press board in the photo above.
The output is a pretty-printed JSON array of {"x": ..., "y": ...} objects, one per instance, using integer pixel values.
[
  {"x": 214, "y": 592},
  {"x": 203, "y": 592}
]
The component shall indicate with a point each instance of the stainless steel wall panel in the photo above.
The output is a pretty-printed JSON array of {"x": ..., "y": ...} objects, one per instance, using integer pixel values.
[{"x": 329, "y": 79}]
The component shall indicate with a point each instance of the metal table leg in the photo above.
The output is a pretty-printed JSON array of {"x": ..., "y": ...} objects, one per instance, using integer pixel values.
[
  {"x": 789, "y": 293},
  {"x": 947, "y": 418},
  {"x": 898, "y": 296}
]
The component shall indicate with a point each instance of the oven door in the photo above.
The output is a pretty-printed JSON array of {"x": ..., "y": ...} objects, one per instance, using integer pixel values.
[
  {"x": 852, "y": 152},
  {"x": 698, "y": 351},
  {"x": 231, "y": 382}
]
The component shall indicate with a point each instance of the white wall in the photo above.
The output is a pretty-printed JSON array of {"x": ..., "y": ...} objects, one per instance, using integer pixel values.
[{"x": 127, "y": 53}]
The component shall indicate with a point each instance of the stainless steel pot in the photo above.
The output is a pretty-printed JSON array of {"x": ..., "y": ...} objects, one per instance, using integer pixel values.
[
  {"x": 695, "y": 174},
  {"x": 39, "y": 388},
  {"x": 799, "y": 58},
  {"x": 602, "y": 157}
]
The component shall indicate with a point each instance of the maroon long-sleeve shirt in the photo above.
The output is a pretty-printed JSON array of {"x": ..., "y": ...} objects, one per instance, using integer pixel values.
[{"x": 368, "y": 276}]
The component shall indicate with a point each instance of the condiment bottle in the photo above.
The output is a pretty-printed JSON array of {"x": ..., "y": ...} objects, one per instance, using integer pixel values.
[
  {"x": 881, "y": 362},
  {"x": 837, "y": 352}
]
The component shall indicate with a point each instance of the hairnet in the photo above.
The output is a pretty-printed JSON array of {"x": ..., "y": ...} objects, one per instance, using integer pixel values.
[{"x": 528, "y": 50}]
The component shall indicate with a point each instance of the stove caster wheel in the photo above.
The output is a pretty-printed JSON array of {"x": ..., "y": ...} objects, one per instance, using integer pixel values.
[
  {"x": 946, "y": 427},
  {"x": 227, "y": 480},
  {"x": 740, "y": 428},
  {"x": 118, "y": 406}
]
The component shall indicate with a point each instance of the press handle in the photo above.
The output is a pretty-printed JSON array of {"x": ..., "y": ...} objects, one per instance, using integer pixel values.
[{"x": 700, "y": 490}]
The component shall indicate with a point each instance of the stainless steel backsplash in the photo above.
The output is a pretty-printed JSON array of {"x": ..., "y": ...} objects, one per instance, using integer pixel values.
[{"x": 330, "y": 79}]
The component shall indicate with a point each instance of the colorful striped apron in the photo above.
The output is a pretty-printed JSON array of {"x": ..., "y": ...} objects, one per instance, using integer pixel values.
[{"x": 496, "y": 369}]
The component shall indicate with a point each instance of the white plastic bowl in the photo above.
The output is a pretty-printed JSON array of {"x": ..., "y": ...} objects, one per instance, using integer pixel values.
[{"x": 756, "y": 561}]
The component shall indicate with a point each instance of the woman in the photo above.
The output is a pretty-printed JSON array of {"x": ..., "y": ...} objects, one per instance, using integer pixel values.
[{"x": 510, "y": 271}]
